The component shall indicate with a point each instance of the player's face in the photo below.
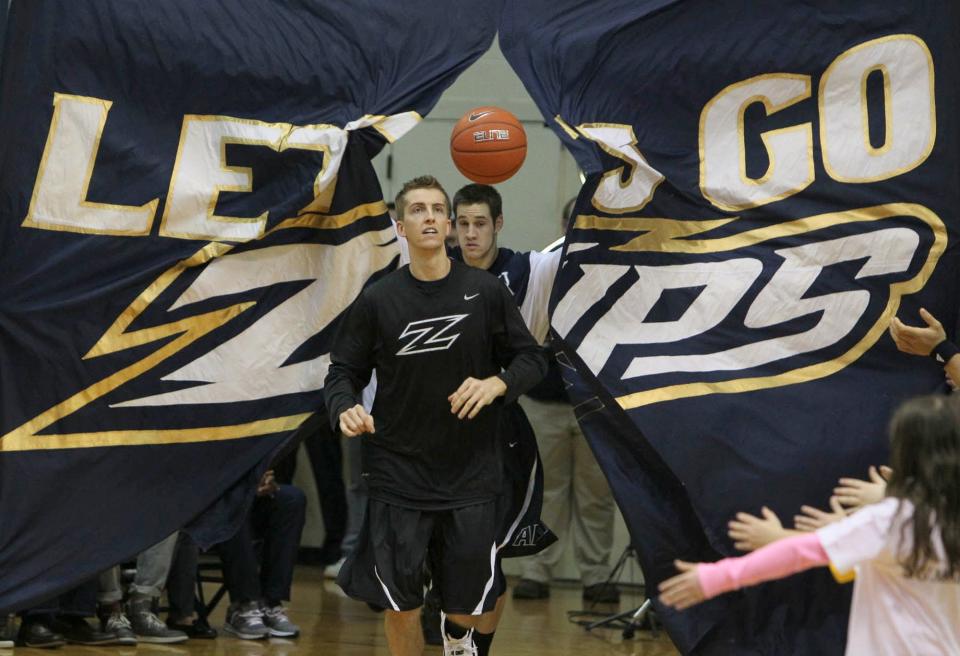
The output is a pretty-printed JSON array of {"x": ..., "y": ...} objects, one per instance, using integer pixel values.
[
  {"x": 477, "y": 231},
  {"x": 425, "y": 222}
]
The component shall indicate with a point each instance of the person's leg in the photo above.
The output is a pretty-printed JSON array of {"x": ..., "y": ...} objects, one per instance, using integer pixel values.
[
  {"x": 280, "y": 523},
  {"x": 110, "y": 591},
  {"x": 593, "y": 518},
  {"x": 556, "y": 457},
  {"x": 153, "y": 566},
  {"x": 242, "y": 578},
  {"x": 404, "y": 637},
  {"x": 326, "y": 462},
  {"x": 110, "y": 607},
  {"x": 180, "y": 592},
  {"x": 466, "y": 567}
]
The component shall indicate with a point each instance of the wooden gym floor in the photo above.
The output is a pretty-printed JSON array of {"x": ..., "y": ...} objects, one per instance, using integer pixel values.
[{"x": 333, "y": 625}]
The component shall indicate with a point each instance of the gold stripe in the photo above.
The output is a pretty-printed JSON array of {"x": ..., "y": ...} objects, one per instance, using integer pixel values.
[
  {"x": 823, "y": 369},
  {"x": 566, "y": 127},
  {"x": 662, "y": 235},
  {"x": 173, "y": 436},
  {"x": 333, "y": 221}
]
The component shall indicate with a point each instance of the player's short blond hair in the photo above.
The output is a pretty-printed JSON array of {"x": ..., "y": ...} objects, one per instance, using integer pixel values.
[{"x": 421, "y": 182}]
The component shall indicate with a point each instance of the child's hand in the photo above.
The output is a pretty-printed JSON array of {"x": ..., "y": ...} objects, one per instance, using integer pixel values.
[
  {"x": 813, "y": 518},
  {"x": 852, "y": 493},
  {"x": 683, "y": 590},
  {"x": 749, "y": 532}
]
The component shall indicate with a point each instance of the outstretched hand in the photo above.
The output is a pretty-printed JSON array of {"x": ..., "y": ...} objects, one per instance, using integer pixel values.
[
  {"x": 355, "y": 421},
  {"x": 474, "y": 394},
  {"x": 812, "y": 518},
  {"x": 917, "y": 340},
  {"x": 750, "y": 532},
  {"x": 853, "y": 493},
  {"x": 683, "y": 590}
]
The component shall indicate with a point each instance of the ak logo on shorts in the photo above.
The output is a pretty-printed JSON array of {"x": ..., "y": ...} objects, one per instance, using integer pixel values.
[{"x": 667, "y": 308}]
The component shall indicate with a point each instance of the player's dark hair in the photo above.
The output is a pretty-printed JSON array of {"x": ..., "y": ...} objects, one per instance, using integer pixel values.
[
  {"x": 474, "y": 194},
  {"x": 421, "y": 182},
  {"x": 925, "y": 456}
]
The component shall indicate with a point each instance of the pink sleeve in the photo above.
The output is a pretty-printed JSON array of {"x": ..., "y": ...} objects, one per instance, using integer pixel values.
[{"x": 776, "y": 560}]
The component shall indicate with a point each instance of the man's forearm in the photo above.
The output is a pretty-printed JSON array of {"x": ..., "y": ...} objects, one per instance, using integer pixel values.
[{"x": 526, "y": 369}]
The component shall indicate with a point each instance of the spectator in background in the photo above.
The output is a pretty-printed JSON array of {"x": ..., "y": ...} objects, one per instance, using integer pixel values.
[
  {"x": 258, "y": 586},
  {"x": 576, "y": 497}
]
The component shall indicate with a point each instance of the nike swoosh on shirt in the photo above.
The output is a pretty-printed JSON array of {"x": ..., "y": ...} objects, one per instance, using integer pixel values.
[
  {"x": 470, "y": 298},
  {"x": 474, "y": 117}
]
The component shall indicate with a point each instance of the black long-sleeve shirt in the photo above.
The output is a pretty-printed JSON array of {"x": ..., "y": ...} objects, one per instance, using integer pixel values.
[{"x": 424, "y": 338}]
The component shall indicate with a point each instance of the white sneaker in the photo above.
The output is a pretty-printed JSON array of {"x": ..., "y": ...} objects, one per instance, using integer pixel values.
[
  {"x": 456, "y": 646},
  {"x": 333, "y": 571}
]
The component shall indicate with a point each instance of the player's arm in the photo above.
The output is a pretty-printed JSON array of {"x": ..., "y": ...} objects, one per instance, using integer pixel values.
[
  {"x": 351, "y": 363},
  {"x": 523, "y": 360},
  {"x": 515, "y": 350}
]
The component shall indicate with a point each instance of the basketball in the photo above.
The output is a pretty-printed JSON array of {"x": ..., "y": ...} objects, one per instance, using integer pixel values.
[{"x": 488, "y": 145}]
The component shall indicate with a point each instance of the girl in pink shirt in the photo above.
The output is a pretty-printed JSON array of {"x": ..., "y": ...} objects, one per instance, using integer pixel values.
[{"x": 905, "y": 550}]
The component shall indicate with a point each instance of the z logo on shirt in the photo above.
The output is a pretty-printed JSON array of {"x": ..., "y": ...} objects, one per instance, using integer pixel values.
[{"x": 430, "y": 334}]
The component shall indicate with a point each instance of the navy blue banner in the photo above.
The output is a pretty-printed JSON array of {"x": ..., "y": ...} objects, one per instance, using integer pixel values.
[
  {"x": 768, "y": 184},
  {"x": 186, "y": 206}
]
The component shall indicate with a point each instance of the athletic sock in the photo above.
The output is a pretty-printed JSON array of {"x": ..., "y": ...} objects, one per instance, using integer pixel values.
[
  {"x": 482, "y": 641},
  {"x": 453, "y": 629}
]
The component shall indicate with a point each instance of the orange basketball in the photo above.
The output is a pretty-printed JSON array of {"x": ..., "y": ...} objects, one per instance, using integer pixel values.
[{"x": 488, "y": 145}]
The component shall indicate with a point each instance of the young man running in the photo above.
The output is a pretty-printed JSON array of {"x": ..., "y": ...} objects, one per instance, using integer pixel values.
[{"x": 447, "y": 342}]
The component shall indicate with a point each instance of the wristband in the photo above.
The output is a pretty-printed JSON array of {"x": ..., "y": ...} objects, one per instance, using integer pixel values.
[{"x": 943, "y": 351}]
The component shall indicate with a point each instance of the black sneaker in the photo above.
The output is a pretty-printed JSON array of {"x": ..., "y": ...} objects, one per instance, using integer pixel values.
[
  {"x": 530, "y": 589},
  {"x": 34, "y": 632},
  {"x": 78, "y": 631},
  {"x": 198, "y": 630},
  {"x": 602, "y": 593}
]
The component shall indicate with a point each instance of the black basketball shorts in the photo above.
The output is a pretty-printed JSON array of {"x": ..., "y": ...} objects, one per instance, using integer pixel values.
[{"x": 395, "y": 543}]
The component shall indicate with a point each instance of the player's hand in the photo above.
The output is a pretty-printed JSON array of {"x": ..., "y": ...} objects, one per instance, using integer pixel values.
[
  {"x": 683, "y": 590},
  {"x": 916, "y": 340},
  {"x": 750, "y": 532},
  {"x": 356, "y": 421},
  {"x": 813, "y": 518},
  {"x": 473, "y": 394},
  {"x": 852, "y": 493}
]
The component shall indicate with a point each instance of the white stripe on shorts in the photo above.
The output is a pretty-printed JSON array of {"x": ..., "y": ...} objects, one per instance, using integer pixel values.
[{"x": 385, "y": 591}]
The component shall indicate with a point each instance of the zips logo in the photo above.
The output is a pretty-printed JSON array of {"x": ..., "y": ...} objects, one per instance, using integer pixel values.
[
  {"x": 430, "y": 334},
  {"x": 718, "y": 308}
]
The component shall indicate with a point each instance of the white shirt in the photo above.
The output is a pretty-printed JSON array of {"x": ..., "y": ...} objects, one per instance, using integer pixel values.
[{"x": 891, "y": 614}]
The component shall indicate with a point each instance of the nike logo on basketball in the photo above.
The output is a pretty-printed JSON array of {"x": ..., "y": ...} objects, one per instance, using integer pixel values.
[
  {"x": 470, "y": 298},
  {"x": 474, "y": 117},
  {"x": 512, "y": 444}
]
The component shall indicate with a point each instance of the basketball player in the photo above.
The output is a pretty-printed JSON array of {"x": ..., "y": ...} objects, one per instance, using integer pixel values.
[
  {"x": 447, "y": 343},
  {"x": 576, "y": 495}
]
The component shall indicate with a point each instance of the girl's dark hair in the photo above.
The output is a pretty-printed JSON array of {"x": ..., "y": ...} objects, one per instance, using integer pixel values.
[{"x": 925, "y": 456}]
